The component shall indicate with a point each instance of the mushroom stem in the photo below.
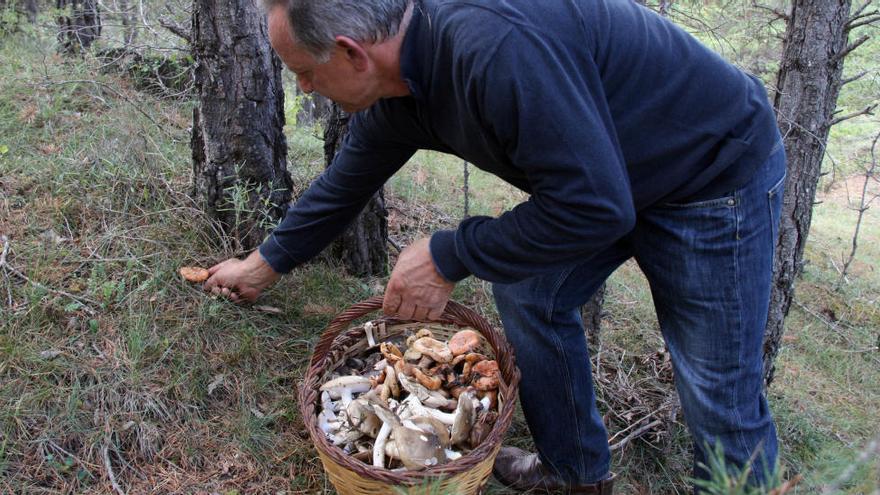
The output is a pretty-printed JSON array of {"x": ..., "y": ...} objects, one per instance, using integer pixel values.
[
  {"x": 379, "y": 446},
  {"x": 368, "y": 329}
]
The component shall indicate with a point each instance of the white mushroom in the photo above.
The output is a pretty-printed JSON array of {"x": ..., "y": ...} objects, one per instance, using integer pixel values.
[
  {"x": 361, "y": 416},
  {"x": 368, "y": 329},
  {"x": 451, "y": 454},
  {"x": 465, "y": 416},
  {"x": 379, "y": 446},
  {"x": 418, "y": 449},
  {"x": 344, "y": 386},
  {"x": 328, "y": 424}
]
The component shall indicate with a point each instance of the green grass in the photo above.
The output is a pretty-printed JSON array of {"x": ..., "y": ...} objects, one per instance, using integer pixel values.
[{"x": 106, "y": 349}]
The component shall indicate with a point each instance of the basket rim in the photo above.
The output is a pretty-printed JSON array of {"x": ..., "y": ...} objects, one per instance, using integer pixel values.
[{"x": 337, "y": 335}]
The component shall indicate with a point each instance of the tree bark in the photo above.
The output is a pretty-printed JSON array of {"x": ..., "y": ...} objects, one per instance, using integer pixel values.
[
  {"x": 591, "y": 313},
  {"x": 315, "y": 108},
  {"x": 808, "y": 85},
  {"x": 32, "y": 9},
  {"x": 77, "y": 32},
  {"x": 238, "y": 145},
  {"x": 363, "y": 247}
]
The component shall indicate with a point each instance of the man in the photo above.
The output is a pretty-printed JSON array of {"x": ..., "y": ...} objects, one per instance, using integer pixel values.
[{"x": 632, "y": 139}]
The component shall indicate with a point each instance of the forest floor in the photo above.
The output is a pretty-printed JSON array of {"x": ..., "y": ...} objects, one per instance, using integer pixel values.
[{"x": 117, "y": 376}]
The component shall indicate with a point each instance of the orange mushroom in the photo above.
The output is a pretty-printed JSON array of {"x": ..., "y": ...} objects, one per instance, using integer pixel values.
[{"x": 463, "y": 342}]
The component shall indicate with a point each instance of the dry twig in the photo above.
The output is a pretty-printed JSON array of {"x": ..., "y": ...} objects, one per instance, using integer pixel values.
[{"x": 105, "y": 452}]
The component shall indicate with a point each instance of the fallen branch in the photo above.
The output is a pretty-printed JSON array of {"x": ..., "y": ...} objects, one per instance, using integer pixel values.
[
  {"x": 635, "y": 434},
  {"x": 105, "y": 451},
  {"x": 5, "y": 250},
  {"x": 2, "y": 265}
]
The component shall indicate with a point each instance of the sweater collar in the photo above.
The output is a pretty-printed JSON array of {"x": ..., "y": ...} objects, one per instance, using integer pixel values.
[{"x": 416, "y": 52}]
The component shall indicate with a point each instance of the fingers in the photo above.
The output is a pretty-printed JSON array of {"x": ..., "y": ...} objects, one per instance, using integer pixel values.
[
  {"x": 216, "y": 267},
  {"x": 435, "y": 313},
  {"x": 391, "y": 303},
  {"x": 225, "y": 292},
  {"x": 421, "y": 313}
]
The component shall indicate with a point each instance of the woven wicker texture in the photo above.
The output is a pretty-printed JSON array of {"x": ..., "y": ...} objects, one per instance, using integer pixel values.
[{"x": 466, "y": 475}]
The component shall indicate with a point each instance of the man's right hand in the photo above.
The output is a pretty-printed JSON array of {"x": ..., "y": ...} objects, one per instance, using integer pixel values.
[{"x": 241, "y": 280}]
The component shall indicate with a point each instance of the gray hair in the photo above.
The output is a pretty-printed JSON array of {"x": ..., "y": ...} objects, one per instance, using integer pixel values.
[{"x": 316, "y": 23}]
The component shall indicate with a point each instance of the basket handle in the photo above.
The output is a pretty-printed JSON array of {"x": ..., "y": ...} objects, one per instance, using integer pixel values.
[{"x": 453, "y": 313}]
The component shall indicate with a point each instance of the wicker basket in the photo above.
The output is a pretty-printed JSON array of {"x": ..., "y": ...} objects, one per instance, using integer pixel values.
[{"x": 466, "y": 475}]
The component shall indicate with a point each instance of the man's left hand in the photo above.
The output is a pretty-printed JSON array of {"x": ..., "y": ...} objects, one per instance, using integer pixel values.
[{"x": 416, "y": 290}]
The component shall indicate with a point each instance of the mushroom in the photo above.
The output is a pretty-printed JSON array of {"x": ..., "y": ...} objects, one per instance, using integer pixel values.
[
  {"x": 463, "y": 342},
  {"x": 487, "y": 375},
  {"x": 469, "y": 361},
  {"x": 430, "y": 398},
  {"x": 428, "y": 381},
  {"x": 465, "y": 416},
  {"x": 412, "y": 355},
  {"x": 379, "y": 446},
  {"x": 391, "y": 449},
  {"x": 438, "y": 351},
  {"x": 489, "y": 399},
  {"x": 390, "y": 351},
  {"x": 424, "y": 332},
  {"x": 361, "y": 416},
  {"x": 417, "y": 449},
  {"x": 344, "y": 386},
  {"x": 368, "y": 330},
  {"x": 390, "y": 387},
  {"x": 432, "y": 425},
  {"x": 481, "y": 430},
  {"x": 328, "y": 423},
  {"x": 425, "y": 362}
]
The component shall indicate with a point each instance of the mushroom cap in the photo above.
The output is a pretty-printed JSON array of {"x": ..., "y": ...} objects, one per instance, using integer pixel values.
[
  {"x": 438, "y": 351},
  {"x": 464, "y": 341},
  {"x": 435, "y": 426},
  {"x": 418, "y": 449},
  {"x": 194, "y": 274},
  {"x": 487, "y": 375}
]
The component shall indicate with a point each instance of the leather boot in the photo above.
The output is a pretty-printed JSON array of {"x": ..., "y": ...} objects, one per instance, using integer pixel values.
[{"x": 524, "y": 472}]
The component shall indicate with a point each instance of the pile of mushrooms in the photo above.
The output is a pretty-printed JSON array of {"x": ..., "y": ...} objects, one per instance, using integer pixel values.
[{"x": 412, "y": 409}]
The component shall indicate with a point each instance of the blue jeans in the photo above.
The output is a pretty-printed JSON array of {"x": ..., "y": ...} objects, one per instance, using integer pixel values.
[{"x": 709, "y": 265}]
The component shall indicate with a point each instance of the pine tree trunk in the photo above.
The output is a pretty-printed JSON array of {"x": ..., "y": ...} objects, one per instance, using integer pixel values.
[
  {"x": 591, "y": 313},
  {"x": 314, "y": 108},
  {"x": 363, "y": 247},
  {"x": 238, "y": 145},
  {"x": 77, "y": 32},
  {"x": 808, "y": 86}
]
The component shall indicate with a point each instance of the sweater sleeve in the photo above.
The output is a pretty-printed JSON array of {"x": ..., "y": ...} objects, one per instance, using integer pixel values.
[
  {"x": 549, "y": 112},
  {"x": 359, "y": 169}
]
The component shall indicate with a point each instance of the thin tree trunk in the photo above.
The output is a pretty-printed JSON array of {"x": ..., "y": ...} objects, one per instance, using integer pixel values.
[
  {"x": 129, "y": 29},
  {"x": 808, "y": 86},
  {"x": 314, "y": 108},
  {"x": 238, "y": 145},
  {"x": 77, "y": 32},
  {"x": 32, "y": 9},
  {"x": 363, "y": 247}
]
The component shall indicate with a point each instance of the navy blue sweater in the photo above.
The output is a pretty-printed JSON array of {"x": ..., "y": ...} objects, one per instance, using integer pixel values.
[{"x": 597, "y": 108}]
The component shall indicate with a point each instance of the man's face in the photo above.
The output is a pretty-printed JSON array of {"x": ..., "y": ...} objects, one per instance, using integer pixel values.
[{"x": 349, "y": 84}]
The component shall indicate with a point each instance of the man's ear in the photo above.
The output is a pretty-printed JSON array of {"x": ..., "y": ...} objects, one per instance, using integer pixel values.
[{"x": 354, "y": 52}]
